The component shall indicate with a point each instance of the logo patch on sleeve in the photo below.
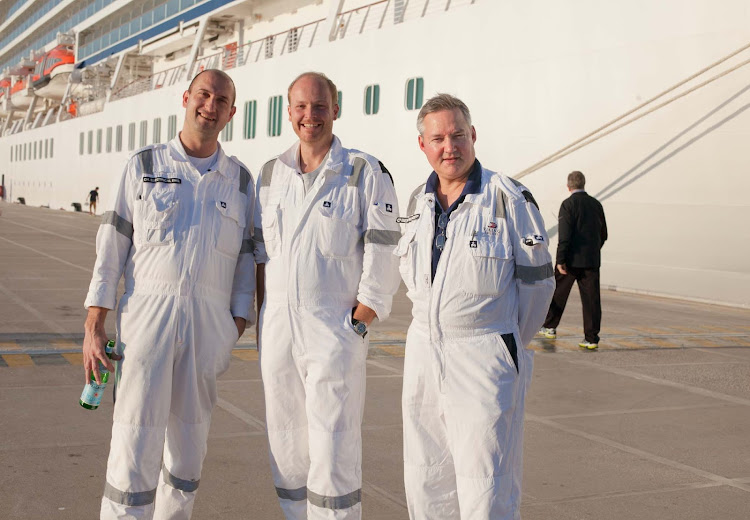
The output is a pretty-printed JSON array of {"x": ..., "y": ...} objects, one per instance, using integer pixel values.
[
  {"x": 326, "y": 203},
  {"x": 389, "y": 208},
  {"x": 473, "y": 244},
  {"x": 223, "y": 204}
]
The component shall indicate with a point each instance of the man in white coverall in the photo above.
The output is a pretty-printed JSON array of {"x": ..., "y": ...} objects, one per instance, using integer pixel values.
[
  {"x": 180, "y": 231},
  {"x": 325, "y": 233},
  {"x": 475, "y": 263}
]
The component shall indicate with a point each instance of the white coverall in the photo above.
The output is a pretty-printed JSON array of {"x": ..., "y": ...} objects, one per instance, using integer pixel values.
[
  {"x": 466, "y": 370},
  {"x": 323, "y": 252},
  {"x": 183, "y": 242}
]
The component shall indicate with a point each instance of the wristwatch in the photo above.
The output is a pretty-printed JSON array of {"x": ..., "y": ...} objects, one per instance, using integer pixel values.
[{"x": 360, "y": 327}]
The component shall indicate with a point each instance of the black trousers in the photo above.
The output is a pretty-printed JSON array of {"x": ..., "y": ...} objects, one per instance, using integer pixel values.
[{"x": 588, "y": 286}]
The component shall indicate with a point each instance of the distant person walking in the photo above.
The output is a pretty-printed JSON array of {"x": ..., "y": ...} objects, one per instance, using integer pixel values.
[
  {"x": 93, "y": 198},
  {"x": 582, "y": 232}
]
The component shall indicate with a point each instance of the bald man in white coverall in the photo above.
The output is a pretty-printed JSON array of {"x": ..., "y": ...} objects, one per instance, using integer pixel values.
[
  {"x": 326, "y": 229},
  {"x": 180, "y": 232},
  {"x": 475, "y": 262}
]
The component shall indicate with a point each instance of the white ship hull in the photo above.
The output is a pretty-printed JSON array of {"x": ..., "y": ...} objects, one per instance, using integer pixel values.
[{"x": 537, "y": 76}]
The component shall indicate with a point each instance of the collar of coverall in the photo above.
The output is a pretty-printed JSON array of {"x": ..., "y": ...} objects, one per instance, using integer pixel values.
[
  {"x": 334, "y": 163},
  {"x": 179, "y": 154},
  {"x": 473, "y": 182}
]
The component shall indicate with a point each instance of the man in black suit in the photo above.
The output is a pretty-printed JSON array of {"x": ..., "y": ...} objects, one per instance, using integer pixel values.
[{"x": 582, "y": 232}]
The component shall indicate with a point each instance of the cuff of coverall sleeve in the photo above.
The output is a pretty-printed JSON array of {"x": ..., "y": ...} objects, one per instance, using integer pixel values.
[
  {"x": 242, "y": 308},
  {"x": 381, "y": 309},
  {"x": 101, "y": 298}
]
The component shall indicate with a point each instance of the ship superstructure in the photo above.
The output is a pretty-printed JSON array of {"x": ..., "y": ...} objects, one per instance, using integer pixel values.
[{"x": 648, "y": 99}]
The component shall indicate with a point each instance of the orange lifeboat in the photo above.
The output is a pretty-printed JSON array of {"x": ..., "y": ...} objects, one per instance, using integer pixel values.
[
  {"x": 52, "y": 71},
  {"x": 4, "y": 91},
  {"x": 20, "y": 95}
]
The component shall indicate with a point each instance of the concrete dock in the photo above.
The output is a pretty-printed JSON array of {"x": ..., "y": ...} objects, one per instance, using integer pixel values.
[{"x": 653, "y": 425}]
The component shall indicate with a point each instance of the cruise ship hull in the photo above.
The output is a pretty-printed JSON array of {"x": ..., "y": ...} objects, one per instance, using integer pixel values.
[{"x": 537, "y": 76}]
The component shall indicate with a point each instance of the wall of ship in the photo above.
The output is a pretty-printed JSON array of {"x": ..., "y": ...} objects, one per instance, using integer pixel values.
[{"x": 537, "y": 75}]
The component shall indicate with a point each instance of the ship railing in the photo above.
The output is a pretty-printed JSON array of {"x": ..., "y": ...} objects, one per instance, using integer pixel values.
[
  {"x": 358, "y": 20},
  {"x": 389, "y": 12},
  {"x": 164, "y": 78},
  {"x": 290, "y": 40}
]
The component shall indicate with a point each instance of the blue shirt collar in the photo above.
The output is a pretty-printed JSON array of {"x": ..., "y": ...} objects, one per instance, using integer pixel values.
[{"x": 473, "y": 183}]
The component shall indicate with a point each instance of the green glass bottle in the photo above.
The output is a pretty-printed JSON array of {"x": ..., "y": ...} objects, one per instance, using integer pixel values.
[{"x": 92, "y": 394}]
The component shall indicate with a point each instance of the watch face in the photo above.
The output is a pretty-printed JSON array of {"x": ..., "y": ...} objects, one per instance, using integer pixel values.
[{"x": 360, "y": 328}]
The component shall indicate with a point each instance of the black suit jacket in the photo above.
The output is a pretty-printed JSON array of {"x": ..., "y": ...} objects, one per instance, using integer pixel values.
[{"x": 582, "y": 231}]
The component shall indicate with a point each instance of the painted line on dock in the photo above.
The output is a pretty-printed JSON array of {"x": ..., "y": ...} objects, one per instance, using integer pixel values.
[
  {"x": 37, "y": 251},
  {"x": 40, "y": 230}
]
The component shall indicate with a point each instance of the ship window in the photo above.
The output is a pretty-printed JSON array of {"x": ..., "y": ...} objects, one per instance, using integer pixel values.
[
  {"x": 171, "y": 127},
  {"x": 34, "y": 150},
  {"x": 339, "y": 101},
  {"x": 147, "y": 19},
  {"x": 24, "y": 151},
  {"x": 52, "y": 147},
  {"x": 99, "y": 141},
  {"x": 372, "y": 99},
  {"x": 251, "y": 114},
  {"x": 269, "y": 47},
  {"x": 118, "y": 138},
  {"x": 109, "y": 140},
  {"x": 46, "y": 148},
  {"x": 144, "y": 134},
  {"x": 12, "y": 150},
  {"x": 226, "y": 133},
  {"x": 414, "y": 93},
  {"x": 90, "y": 147},
  {"x": 159, "y": 13},
  {"x": 135, "y": 26},
  {"x": 172, "y": 7},
  {"x": 131, "y": 137},
  {"x": 274, "y": 116},
  {"x": 157, "y": 131},
  {"x": 80, "y": 143}
]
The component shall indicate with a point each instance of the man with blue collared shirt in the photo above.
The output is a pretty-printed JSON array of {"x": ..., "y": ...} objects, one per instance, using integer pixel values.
[{"x": 475, "y": 262}]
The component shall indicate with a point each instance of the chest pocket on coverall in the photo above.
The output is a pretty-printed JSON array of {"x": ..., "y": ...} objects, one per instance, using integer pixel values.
[
  {"x": 271, "y": 224},
  {"x": 154, "y": 217},
  {"x": 230, "y": 225},
  {"x": 406, "y": 250},
  {"x": 337, "y": 231},
  {"x": 490, "y": 264}
]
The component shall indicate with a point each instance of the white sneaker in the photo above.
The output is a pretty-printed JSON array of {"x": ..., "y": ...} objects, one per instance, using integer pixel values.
[{"x": 548, "y": 333}]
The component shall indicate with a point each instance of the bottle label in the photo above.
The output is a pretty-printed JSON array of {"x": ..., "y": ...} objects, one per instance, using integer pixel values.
[{"x": 92, "y": 394}]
